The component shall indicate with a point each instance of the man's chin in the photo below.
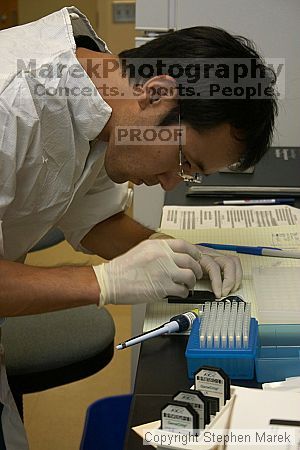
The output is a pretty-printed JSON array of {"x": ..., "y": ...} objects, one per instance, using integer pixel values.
[
  {"x": 119, "y": 179},
  {"x": 136, "y": 181},
  {"x": 151, "y": 183}
]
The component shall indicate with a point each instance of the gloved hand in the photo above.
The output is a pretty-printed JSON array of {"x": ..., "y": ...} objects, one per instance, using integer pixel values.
[
  {"x": 149, "y": 272},
  {"x": 225, "y": 272},
  {"x": 158, "y": 235}
]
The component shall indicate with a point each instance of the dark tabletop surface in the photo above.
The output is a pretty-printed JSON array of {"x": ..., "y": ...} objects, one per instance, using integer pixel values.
[
  {"x": 162, "y": 369},
  {"x": 178, "y": 197}
]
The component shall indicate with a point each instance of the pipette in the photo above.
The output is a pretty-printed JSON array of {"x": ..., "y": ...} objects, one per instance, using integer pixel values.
[{"x": 181, "y": 322}]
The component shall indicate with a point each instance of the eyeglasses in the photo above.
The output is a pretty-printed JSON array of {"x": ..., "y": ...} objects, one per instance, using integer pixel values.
[
  {"x": 197, "y": 177},
  {"x": 236, "y": 166}
]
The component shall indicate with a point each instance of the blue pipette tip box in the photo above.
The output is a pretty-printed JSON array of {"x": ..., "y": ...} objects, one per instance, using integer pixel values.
[
  {"x": 278, "y": 353},
  {"x": 237, "y": 363}
]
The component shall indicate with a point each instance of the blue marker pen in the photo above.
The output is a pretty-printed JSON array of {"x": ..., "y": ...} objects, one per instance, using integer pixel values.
[{"x": 259, "y": 251}]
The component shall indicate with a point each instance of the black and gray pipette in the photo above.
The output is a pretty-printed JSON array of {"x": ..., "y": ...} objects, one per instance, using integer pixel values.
[{"x": 181, "y": 322}]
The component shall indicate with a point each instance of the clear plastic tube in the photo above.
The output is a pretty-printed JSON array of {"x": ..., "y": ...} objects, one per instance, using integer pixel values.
[
  {"x": 246, "y": 325},
  {"x": 239, "y": 325},
  {"x": 218, "y": 324},
  {"x": 203, "y": 325},
  {"x": 224, "y": 328},
  {"x": 231, "y": 325},
  {"x": 211, "y": 324}
]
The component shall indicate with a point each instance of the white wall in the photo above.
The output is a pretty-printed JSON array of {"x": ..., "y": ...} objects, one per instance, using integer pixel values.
[{"x": 274, "y": 26}]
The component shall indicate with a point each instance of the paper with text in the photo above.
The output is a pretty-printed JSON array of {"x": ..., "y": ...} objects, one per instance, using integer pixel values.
[
  {"x": 287, "y": 237},
  {"x": 195, "y": 217}
]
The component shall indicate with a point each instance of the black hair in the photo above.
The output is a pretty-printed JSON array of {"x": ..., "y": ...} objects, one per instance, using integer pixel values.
[{"x": 253, "y": 117}]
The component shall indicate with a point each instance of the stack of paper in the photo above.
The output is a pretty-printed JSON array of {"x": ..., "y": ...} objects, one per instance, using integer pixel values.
[{"x": 192, "y": 218}]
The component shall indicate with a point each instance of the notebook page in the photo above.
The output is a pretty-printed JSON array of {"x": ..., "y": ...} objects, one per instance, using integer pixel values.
[
  {"x": 286, "y": 237},
  {"x": 274, "y": 288},
  {"x": 195, "y": 217}
]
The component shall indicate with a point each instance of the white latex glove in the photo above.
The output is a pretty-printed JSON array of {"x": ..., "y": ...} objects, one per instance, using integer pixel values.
[
  {"x": 159, "y": 235},
  {"x": 149, "y": 272},
  {"x": 225, "y": 272}
]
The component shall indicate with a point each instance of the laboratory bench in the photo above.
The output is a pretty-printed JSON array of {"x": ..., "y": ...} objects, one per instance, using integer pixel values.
[{"x": 162, "y": 369}]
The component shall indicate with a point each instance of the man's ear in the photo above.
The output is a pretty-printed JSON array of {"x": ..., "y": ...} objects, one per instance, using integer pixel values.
[{"x": 157, "y": 89}]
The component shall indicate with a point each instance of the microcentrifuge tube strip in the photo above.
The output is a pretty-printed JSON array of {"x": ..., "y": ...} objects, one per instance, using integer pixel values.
[{"x": 225, "y": 325}]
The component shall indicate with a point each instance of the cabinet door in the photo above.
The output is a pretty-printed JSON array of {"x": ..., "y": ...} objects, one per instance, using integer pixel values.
[{"x": 156, "y": 15}]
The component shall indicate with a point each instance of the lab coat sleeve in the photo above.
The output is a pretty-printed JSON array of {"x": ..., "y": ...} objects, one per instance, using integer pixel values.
[{"x": 104, "y": 199}]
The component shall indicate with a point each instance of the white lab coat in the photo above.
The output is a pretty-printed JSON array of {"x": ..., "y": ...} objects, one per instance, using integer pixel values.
[
  {"x": 50, "y": 173},
  {"x": 50, "y": 176},
  {"x": 12, "y": 432}
]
